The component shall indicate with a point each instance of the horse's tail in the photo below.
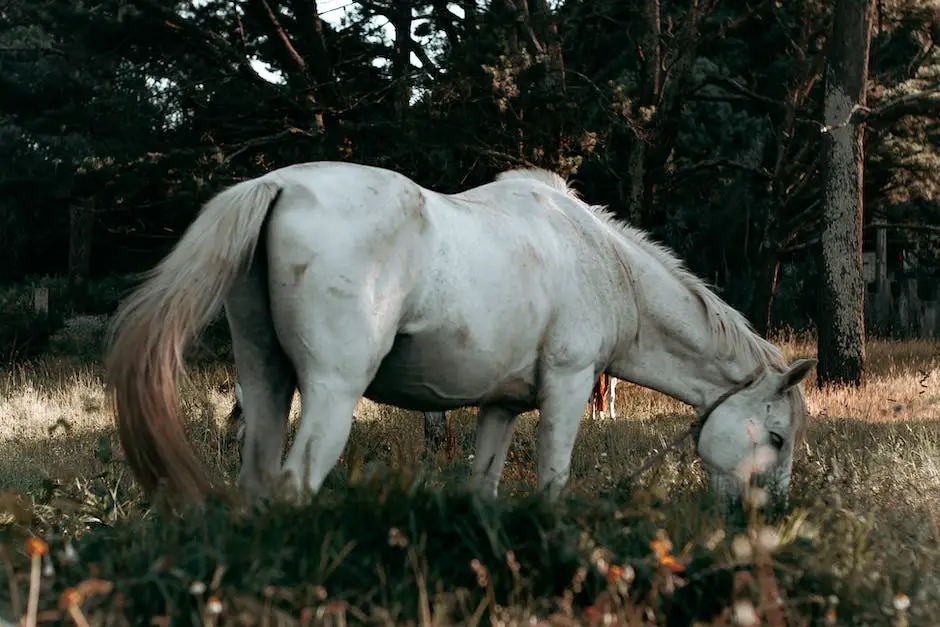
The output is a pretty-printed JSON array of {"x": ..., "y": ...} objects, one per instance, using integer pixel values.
[{"x": 153, "y": 326}]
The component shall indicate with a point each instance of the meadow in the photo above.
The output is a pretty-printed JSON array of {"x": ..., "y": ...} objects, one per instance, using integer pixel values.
[{"x": 395, "y": 538}]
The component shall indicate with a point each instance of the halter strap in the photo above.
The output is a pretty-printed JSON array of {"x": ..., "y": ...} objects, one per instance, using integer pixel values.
[
  {"x": 740, "y": 386},
  {"x": 695, "y": 429}
]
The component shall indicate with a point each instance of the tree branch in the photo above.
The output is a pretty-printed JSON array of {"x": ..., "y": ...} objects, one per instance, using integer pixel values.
[
  {"x": 928, "y": 228},
  {"x": 423, "y": 57},
  {"x": 729, "y": 84},
  {"x": 282, "y": 35},
  {"x": 925, "y": 102},
  {"x": 713, "y": 164}
]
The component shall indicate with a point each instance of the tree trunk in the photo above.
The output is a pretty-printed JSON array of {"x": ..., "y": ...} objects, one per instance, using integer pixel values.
[
  {"x": 765, "y": 286},
  {"x": 649, "y": 50},
  {"x": 81, "y": 230},
  {"x": 401, "y": 64},
  {"x": 841, "y": 297}
]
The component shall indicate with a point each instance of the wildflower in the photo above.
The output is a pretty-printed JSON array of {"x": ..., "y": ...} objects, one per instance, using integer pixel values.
[
  {"x": 757, "y": 497},
  {"x": 214, "y": 605},
  {"x": 901, "y": 602},
  {"x": 71, "y": 601},
  {"x": 197, "y": 588},
  {"x": 36, "y": 547},
  {"x": 714, "y": 539},
  {"x": 69, "y": 555},
  {"x": 397, "y": 538},
  {"x": 670, "y": 562},
  {"x": 320, "y": 593},
  {"x": 745, "y": 614},
  {"x": 512, "y": 562},
  {"x": 741, "y": 548},
  {"x": 661, "y": 547},
  {"x": 768, "y": 539},
  {"x": 614, "y": 574},
  {"x": 481, "y": 572}
]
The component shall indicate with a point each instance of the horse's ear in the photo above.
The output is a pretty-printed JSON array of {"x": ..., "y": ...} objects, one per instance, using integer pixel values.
[{"x": 796, "y": 373}]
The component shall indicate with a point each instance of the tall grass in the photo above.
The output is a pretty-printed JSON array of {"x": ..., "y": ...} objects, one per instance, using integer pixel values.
[{"x": 394, "y": 537}]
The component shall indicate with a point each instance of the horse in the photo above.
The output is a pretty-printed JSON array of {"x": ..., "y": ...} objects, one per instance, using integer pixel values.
[
  {"x": 346, "y": 280},
  {"x": 434, "y": 422},
  {"x": 603, "y": 397},
  {"x": 436, "y": 427}
]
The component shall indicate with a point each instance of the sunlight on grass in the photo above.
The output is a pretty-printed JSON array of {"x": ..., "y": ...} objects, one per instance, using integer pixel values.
[{"x": 862, "y": 524}]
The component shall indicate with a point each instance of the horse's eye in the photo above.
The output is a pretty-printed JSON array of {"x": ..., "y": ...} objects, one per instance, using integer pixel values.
[{"x": 776, "y": 440}]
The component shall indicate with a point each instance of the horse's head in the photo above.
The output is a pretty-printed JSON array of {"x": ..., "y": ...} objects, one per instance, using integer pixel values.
[{"x": 753, "y": 432}]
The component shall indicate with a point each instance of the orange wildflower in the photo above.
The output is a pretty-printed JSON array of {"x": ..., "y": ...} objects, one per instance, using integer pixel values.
[{"x": 36, "y": 546}]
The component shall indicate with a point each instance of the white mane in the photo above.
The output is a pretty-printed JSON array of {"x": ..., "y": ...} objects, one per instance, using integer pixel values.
[{"x": 730, "y": 329}]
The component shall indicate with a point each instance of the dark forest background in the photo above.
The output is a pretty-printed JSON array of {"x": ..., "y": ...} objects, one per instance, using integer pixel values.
[{"x": 699, "y": 120}]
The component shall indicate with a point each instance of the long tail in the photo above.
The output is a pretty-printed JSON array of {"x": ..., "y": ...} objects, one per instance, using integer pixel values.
[{"x": 154, "y": 325}]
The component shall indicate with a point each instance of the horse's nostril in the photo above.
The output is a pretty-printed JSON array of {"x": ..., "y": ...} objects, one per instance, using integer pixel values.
[{"x": 776, "y": 440}]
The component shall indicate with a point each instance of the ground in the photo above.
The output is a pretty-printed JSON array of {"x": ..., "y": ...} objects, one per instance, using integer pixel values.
[{"x": 859, "y": 543}]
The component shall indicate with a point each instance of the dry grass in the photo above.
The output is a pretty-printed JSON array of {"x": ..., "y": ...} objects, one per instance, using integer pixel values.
[{"x": 873, "y": 453}]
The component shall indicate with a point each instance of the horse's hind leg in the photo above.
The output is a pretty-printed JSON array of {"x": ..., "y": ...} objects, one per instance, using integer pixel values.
[
  {"x": 266, "y": 378},
  {"x": 495, "y": 426},
  {"x": 337, "y": 342}
]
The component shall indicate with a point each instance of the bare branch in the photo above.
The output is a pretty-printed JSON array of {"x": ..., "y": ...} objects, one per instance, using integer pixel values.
[
  {"x": 714, "y": 164},
  {"x": 928, "y": 228},
  {"x": 423, "y": 57},
  {"x": 261, "y": 141},
  {"x": 276, "y": 25},
  {"x": 732, "y": 85},
  {"x": 925, "y": 102}
]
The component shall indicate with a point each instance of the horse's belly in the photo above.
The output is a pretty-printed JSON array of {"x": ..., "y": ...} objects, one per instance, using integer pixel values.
[{"x": 431, "y": 373}]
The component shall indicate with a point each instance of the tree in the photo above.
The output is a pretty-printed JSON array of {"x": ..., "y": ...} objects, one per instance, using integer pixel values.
[{"x": 841, "y": 316}]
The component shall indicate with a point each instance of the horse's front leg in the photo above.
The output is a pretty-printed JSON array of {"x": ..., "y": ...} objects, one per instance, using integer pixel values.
[{"x": 562, "y": 400}]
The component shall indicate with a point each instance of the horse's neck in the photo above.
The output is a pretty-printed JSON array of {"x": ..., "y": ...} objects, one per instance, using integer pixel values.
[{"x": 674, "y": 351}]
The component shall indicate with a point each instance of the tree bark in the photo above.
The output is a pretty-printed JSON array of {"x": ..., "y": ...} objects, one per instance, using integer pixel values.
[
  {"x": 401, "y": 64},
  {"x": 649, "y": 50},
  {"x": 765, "y": 287},
  {"x": 841, "y": 347},
  {"x": 81, "y": 231}
]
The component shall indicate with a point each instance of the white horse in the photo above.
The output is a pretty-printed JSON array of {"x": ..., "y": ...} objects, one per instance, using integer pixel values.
[
  {"x": 348, "y": 280},
  {"x": 235, "y": 422}
]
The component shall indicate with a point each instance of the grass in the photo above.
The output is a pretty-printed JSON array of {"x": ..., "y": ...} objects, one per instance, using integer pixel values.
[{"x": 395, "y": 538}]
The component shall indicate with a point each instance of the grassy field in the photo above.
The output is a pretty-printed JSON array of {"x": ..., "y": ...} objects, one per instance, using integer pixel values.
[{"x": 384, "y": 544}]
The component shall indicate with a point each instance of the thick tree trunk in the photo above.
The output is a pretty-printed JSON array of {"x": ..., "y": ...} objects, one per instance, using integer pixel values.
[{"x": 841, "y": 316}]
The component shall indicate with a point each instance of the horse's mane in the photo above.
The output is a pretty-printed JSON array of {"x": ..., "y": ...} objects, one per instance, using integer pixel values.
[{"x": 730, "y": 329}]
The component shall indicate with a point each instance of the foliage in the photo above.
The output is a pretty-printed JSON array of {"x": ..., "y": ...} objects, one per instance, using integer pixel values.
[
  {"x": 148, "y": 107},
  {"x": 422, "y": 551}
]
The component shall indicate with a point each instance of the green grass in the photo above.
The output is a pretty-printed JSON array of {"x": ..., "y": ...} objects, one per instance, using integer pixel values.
[{"x": 395, "y": 537}]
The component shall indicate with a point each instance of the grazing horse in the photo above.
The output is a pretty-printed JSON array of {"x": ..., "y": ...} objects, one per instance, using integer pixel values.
[
  {"x": 346, "y": 280},
  {"x": 603, "y": 397}
]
